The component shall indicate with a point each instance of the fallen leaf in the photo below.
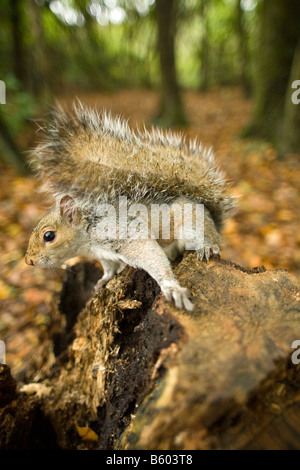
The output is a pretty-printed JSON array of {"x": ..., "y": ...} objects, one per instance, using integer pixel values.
[{"x": 87, "y": 434}]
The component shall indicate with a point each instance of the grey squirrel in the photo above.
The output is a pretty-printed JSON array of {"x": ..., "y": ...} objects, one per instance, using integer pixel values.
[{"x": 96, "y": 167}]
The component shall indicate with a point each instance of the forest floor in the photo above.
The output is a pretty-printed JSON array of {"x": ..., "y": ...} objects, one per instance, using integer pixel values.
[{"x": 265, "y": 230}]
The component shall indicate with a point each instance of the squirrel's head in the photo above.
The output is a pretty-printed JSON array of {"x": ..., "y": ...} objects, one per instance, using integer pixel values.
[{"x": 57, "y": 236}]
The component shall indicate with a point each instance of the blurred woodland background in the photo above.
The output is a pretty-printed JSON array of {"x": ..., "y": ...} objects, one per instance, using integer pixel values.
[{"x": 224, "y": 71}]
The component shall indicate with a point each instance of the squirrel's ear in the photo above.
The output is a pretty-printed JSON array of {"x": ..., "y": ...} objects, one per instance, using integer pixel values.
[{"x": 67, "y": 209}]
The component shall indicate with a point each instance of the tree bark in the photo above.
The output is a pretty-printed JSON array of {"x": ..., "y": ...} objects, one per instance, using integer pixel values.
[
  {"x": 133, "y": 372},
  {"x": 171, "y": 112}
]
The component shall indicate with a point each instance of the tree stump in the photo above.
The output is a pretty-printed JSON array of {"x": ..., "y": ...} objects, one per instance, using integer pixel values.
[{"x": 124, "y": 369}]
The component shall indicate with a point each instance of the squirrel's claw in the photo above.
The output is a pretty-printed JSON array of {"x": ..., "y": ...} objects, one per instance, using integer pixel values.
[
  {"x": 101, "y": 283},
  {"x": 173, "y": 291}
]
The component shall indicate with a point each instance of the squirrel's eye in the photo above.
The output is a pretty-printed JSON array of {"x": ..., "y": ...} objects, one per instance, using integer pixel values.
[{"x": 49, "y": 236}]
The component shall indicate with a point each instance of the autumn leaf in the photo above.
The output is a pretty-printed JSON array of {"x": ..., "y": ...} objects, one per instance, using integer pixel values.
[{"x": 87, "y": 434}]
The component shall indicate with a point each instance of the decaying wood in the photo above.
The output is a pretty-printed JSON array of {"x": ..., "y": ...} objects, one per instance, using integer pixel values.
[{"x": 126, "y": 370}]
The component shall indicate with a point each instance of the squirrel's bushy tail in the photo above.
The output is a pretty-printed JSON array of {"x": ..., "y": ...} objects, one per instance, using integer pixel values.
[{"x": 94, "y": 157}]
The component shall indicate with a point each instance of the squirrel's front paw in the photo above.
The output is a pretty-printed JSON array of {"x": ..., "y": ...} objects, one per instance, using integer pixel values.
[
  {"x": 173, "y": 291},
  {"x": 207, "y": 250}
]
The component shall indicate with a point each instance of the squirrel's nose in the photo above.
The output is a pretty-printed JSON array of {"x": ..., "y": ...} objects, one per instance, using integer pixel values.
[{"x": 29, "y": 260}]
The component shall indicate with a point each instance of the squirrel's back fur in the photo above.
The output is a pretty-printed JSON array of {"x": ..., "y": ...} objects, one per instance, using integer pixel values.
[{"x": 95, "y": 158}]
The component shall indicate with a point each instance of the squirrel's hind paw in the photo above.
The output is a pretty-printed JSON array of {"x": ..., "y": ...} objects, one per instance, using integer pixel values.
[{"x": 207, "y": 250}]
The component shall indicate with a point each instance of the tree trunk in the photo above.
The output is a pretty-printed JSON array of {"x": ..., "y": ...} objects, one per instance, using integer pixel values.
[
  {"x": 133, "y": 372},
  {"x": 19, "y": 63},
  {"x": 38, "y": 53},
  {"x": 243, "y": 49},
  {"x": 171, "y": 112},
  {"x": 279, "y": 32},
  {"x": 204, "y": 48},
  {"x": 289, "y": 141}
]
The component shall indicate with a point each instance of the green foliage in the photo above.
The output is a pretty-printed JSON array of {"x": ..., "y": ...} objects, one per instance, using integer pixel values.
[
  {"x": 87, "y": 46},
  {"x": 212, "y": 24},
  {"x": 20, "y": 106}
]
